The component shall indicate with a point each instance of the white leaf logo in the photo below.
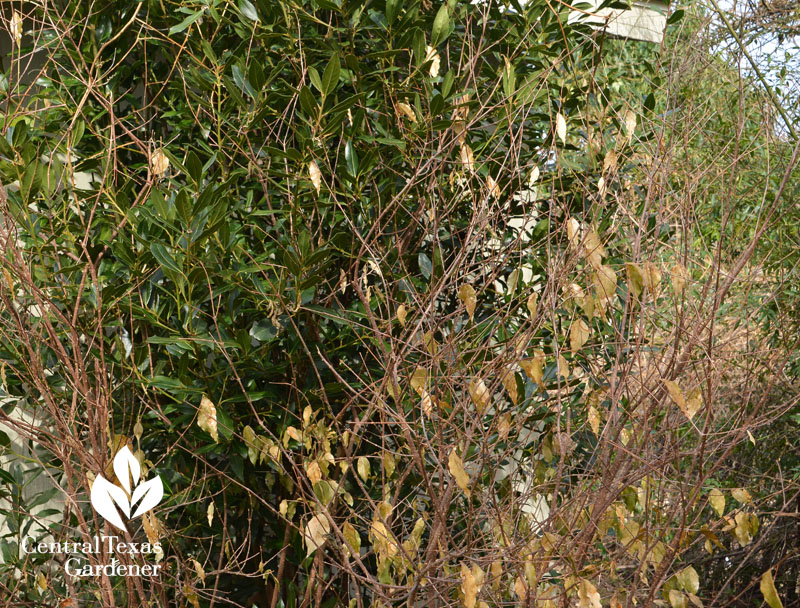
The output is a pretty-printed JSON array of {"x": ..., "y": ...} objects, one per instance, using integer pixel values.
[{"x": 109, "y": 499}]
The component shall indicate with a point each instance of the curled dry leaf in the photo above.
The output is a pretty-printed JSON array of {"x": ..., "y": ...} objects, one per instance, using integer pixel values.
[
  {"x": 466, "y": 293},
  {"x": 207, "y": 418},
  {"x": 652, "y": 278},
  {"x": 314, "y": 472},
  {"x": 402, "y": 313},
  {"x": 635, "y": 278},
  {"x": 594, "y": 420},
  {"x": 678, "y": 273},
  {"x": 688, "y": 406},
  {"x": 315, "y": 532},
  {"x": 593, "y": 249},
  {"x": 315, "y": 174},
  {"x": 494, "y": 189},
  {"x": 630, "y": 124},
  {"x": 480, "y": 394},
  {"x": 467, "y": 158},
  {"x": 578, "y": 335},
  {"x": 605, "y": 282},
  {"x": 471, "y": 583},
  {"x": 717, "y": 501},
  {"x": 456, "y": 467},
  {"x": 561, "y": 127},
  {"x": 15, "y": 27},
  {"x": 159, "y": 163},
  {"x": 534, "y": 368},
  {"x": 610, "y": 161},
  {"x": 198, "y": 568},
  {"x": 588, "y": 595},
  {"x": 563, "y": 366},
  {"x": 406, "y": 110},
  {"x": 533, "y": 301},
  {"x": 573, "y": 232},
  {"x": 433, "y": 56},
  {"x": 510, "y": 384}
]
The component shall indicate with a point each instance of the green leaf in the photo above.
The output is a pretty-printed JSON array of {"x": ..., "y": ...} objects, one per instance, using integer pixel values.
[
  {"x": 441, "y": 26},
  {"x": 392, "y": 8},
  {"x": 675, "y": 17},
  {"x": 164, "y": 257},
  {"x": 176, "y": 29},
  {"x": 425, "y": 265},
  {"x": 248, "y": 10},
  {"x": 313, "y": 76},
  {"x": 330, "y": 78}
]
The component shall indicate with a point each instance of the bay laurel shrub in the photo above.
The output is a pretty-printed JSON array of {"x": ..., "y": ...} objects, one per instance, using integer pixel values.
[{"x": 395, "y": 297}]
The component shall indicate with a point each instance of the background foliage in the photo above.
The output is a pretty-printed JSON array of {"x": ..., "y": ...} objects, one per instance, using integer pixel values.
[{"x": 405, "y": 302}]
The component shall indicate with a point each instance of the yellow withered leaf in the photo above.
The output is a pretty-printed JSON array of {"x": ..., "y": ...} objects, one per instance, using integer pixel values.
[
  {"x": 430, "y": 343},
  {"x": 315, "y": 174},
  {"x": 578, "y": 335},
  {"x": 746, "y": 527},
  {"x": 15, "y": 27},
  {"x": 9, "y": 281},
  {"x": 717, "y": 501},
  {"x": 635, "y": 278},
  {"x": 207, "y": 418},
  {"x": 159, "y": 163},
  {"x": 471, "y": 583},
  {"x": 573, "y": 232},
  {"x": 769, "y": 591},
  {"x": 563, "y": 366},
  {"x": 351, "y": 537},
  {"x": 41, "y": 580},
  {"x": 677, "y": 599},
  {"x": 479, "y": 393},
  {"x": 510, "y": 384},
  {"x": 433, "y": 56},
  {"x": 456, "y": 467},
  {"x": 610, "y": 161},
  {"x": 363, "y": 467},
  {"x": 689, "y": 579},
  {"x": 742, "y": 496},
  {"x": 467, "y": 158},
  {"x": 491, "y": 185},
  {"x": 593, "y": 248},
  {"x": 678, "y": 274},
  {"x": 630, "y": 124},
  {"x": 466, "y": 293},
  {"x": 605, "y": 282},
  {"x": 533, "y": 303},
  {"x": 561, "y": 127},
  {"x": 315, "y": 532},
  {"x": 402, "y": 313},
  {"x": 588, "y": 595},
  {"x": 198, "y": 568},
  {"x": 314, "y": 472},
  {"x": 406, "y": 110},
  {"x": 652, "y": 278},
  {"x": 594, "y": 420},
  {"x": 419, "y": 380},
  {"x": 677, "y": 396}
]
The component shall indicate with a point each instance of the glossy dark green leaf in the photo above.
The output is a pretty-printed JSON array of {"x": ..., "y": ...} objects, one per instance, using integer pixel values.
[{"x": 330, "y": 78}]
